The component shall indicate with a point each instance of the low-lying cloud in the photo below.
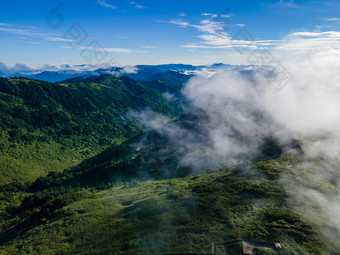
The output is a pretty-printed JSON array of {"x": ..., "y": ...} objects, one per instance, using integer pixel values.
[{"x": 235, "y": 111}]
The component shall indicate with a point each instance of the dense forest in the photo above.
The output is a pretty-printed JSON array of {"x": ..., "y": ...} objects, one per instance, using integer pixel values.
[{"x": 48, "y": 127}]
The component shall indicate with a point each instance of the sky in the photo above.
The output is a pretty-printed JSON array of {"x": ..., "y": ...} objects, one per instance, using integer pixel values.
[{"x": 196, "y": 32}]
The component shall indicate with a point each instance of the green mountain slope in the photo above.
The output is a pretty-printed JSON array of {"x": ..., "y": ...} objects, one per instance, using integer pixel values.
[
  {"x": 78, "y": 176},
  {"x": 190, "y": 215},
  {"x": 136, "y": 198},
  {"x": 48, "y": 126}
]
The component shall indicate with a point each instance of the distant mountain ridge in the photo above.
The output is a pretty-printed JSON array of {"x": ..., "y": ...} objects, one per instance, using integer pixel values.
[{"x": 138, "y": 72}]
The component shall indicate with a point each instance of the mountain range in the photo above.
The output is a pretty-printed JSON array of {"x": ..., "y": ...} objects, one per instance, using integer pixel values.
[
  {"x": 138, "y": 72},
  {"x": 83, "y": 173}
]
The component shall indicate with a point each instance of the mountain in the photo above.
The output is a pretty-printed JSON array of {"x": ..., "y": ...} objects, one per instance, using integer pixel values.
[
  {"x": 167, "y": 82},
  {"x": 111, "y": 165},
  {"x": 172, "y": 67},
  {"x": 57, "y": 76},
  {"x": 139, "y": 72},
  {"x": 53, "y": 76},
  {"x": 173, "y": 77},
  {"x": 124, "y": 201},
  {"x": 144, "y": 73},
  {"x": 50, "y": 126}
]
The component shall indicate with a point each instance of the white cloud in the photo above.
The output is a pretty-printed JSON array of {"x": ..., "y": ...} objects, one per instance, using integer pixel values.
[
  {"x": 209, "y": 14},
  {"x": 122, "y": 50},
  {"x": 29, "y": 42},
  {"x": 309, "y": 43},
  {"x": 180, "y": 23},
  {"x": 226, "y": 15},
  {"x": 287, "y": 4},
  {"x": 129, "y": 69},
  {"x": 18, "y": 31},
  {"x": 137, "y": 6},
  {"x": 123, "y": 71},
  {"x": 103, "y": 3},
  {"x": 332, "y": 19},
  {"x": 214, "y": 36},
  {"x": 210, "y": 26},
  {"x": 196, "y": 46},
  {"x": 58, "y": 39},
  {"x": 148, "y": 47},
  {"x": 29, "y": 70},
  {"x": 112, "y": 50},
  {"x": 182, "y": 14},
  {"x": 315, "y": 34},
  {"x": 10, "y": 70},
  {"x": 206, "y": 25},
  {"x": 29, "y": 33},
  {"x": 301, "y": 44}
]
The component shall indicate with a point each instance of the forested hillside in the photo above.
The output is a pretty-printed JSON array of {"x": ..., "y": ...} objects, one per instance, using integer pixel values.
[
  {"x": 50, "y": 126},
  {"x": 123, "y": 202},
  {"x": 81, "y": 175}
]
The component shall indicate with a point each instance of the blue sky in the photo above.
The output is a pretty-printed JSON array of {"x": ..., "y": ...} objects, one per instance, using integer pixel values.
[{"x": 167, "y": 31}]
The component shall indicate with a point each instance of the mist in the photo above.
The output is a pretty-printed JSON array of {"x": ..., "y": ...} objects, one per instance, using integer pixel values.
[{"x": 236, "y": 111}]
